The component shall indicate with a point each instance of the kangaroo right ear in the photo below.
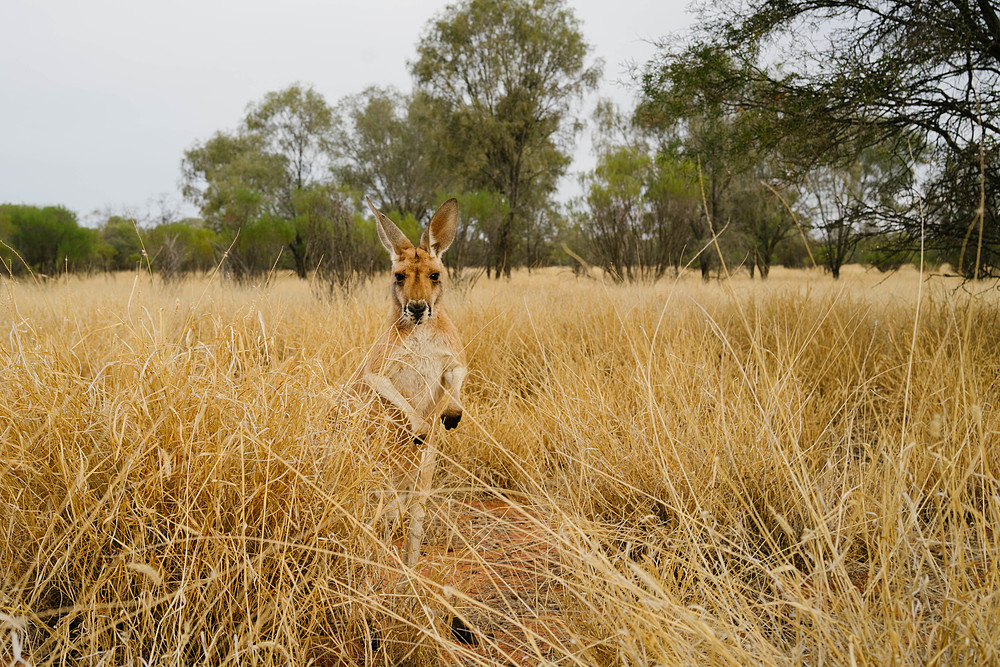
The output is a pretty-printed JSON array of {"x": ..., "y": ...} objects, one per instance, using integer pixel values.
[
  {"x": 440, "y": 230},
  {"x": 389, "y": 234}
]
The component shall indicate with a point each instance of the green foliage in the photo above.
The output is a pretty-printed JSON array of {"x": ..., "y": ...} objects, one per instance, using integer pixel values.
[
  {"x": 792, "y": 252},
  {"x": 386, "y": 149},
  {"x": 615, "y": 199},
  {"x": 328, "y": 236},
  {"x": 868, "y": 71},
  {"x": 7, "y": 230},
  {"x": 180, "y": 248},
  {"x": 295, "y": 125},
  {"x": 119, "y": 247},
  {"x": 505, "y": 74},
  {"x": 233, "y": 180},
  {"x": 963, "y": 211},
  {"x": 676, "y": 208},
  {"x": 915, "y": 80},
  {"x": 687, "y": 101},
  {"x": 265, "y": 188},
  {"x": 764, "y": 222},
  {"x": 849, "y": 202},
  {"x": 642, "y": 205},
  {"x": 483, "y": 213},
  {"x": 48, "y": 239},
  {"x": 884, "y": 254}
]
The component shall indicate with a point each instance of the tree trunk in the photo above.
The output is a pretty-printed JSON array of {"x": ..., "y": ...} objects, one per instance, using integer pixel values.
[
  {"x": 501, "y": 254},
  {"x": 298, "y": 248}
]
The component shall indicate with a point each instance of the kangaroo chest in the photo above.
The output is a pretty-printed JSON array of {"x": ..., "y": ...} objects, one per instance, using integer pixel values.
[{"x": 416, "y": 365}]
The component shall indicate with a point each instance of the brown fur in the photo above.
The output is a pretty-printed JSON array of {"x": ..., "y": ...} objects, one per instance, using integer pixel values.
[{"x": 414, "y": 372}]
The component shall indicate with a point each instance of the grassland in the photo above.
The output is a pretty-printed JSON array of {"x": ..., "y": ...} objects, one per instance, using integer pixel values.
[{"x": 791, "y": 472}]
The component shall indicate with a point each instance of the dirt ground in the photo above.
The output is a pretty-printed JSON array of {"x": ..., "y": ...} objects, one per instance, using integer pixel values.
[{"x": 495, "y": 565}]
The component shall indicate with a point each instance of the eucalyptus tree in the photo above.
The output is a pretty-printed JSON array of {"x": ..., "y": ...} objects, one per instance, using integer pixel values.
[
  {"x": 642, "y": 202},
  {"x": 831, "y": 78},
  {"x": 46, "y": 239},
  {"x": 248, "y": 182},
  {"x": 676, "y": 214},
  {"x": 7, "y": 231},
  {"x": 385, "y": 146},
  {"x": 120, "y": 246},
  {"x": 963, "y": 211},
  {"x": 696, "y": 122},
  {"x": 848, "y": 201},
  {"x": 238, "y": 185},
  {"x": 482, "y": 214},
  {"x": 866, "y": 69},
  {"x": 505, "y": 74},
  {"x": 179, "y": 248},
  {"x": 764, "y": 221},
  {"x": 617, "y": 209}
]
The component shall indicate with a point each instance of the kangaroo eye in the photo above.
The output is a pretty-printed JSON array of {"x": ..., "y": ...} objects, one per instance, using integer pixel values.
[
  {"x": 400, "y": 277},
  {"x": 435, "y": 276}
]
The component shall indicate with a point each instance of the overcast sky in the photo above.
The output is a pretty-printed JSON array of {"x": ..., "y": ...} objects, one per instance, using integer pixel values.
[{"x": 100, "y": 98}]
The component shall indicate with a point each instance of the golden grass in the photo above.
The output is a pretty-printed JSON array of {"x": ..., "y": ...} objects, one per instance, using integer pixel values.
[{"x": 799, "y": 471}]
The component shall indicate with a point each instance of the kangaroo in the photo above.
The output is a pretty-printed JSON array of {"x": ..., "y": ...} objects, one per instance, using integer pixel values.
[{"x": 415, "y": 370}]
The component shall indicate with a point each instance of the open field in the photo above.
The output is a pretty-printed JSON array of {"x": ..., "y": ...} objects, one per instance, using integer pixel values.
[{"x": 794, "y": 472}]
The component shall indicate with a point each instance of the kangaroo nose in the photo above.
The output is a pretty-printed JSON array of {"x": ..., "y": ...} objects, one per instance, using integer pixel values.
[{"x": 416, "y": 309}]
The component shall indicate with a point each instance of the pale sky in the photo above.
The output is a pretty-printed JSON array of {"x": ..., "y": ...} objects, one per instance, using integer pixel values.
[{"x": 100, "y": 98}]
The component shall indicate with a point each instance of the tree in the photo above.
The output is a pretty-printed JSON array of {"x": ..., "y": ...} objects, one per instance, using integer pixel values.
[
  {"x": 765, "y": 221},
  {"x": 384, "y": 148},
  {"x": 248, "y": 182},
  {"x": 120, "y": 248},
  {"x": 238, "y": 185},
  {"x": 482, "y": 215},
  {"x": 696, "y": 121},
  {"x": 963, "y": 211},
  {"x": 505, "y": 73},
  {"x": 337, "y": 248},
  {"x": 614, "y": 198},
  {"x": 7, "y": 231},
  {"x": 899, "y": 75},
  {"x": 296, "y": 125},
  {"x": 869, "y": 69},
  {"x": 179, "y": 248},
  {"x": 849, "y": 202},
  {"x": 675, "y": 208},
  {"x": 538, "y": 239},
  {"x": 48, "y": 239},
  {"x": 639, "y": 213},
  {"x": 642, "y": 204}
]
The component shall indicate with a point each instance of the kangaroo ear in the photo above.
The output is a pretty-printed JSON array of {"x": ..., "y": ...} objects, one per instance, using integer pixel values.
[
  {"x": 389, "y": 234},
  {"x": 440, "y": 230}
]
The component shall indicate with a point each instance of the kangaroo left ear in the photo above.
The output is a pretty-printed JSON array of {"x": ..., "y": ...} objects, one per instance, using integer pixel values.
[
  {"x": 441, "y": 229},
  {"x": 389, "y": 234}
]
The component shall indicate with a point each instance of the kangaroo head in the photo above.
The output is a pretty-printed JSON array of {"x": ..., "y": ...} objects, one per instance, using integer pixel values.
[{"x": 417, "y": 270}]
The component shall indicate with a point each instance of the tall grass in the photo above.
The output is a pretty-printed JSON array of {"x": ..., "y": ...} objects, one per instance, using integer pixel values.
[{"x": 792, "y": 472}]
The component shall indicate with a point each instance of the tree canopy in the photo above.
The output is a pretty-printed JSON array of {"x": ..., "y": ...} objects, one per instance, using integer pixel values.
[
  {"x": 48, "y": 238},
  {"x": 824, "y": 81},
  {"x": 505, "y": 74},
  {"x": 261, "y": 186},
  {"x": 385, "y": 148}
]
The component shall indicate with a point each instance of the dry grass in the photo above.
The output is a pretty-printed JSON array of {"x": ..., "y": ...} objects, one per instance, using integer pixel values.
[{"x": 737, "y": 473}]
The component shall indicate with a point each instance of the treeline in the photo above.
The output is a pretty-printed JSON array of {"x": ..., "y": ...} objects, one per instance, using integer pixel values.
[
  {"x": 50, "y": 241},
  {"x": 488, "y": 120},
  {"x": 876, "y": 143},
  {"x": 873, "y": 124}
]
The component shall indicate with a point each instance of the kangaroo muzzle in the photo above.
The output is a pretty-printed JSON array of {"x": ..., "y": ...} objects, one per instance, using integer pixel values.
[{"x": 417, "y": 310}]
